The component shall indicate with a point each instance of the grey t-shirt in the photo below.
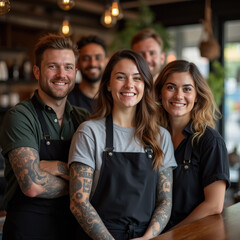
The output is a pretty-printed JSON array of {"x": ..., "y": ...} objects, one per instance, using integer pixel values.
[{"x": 89, "y": 142}]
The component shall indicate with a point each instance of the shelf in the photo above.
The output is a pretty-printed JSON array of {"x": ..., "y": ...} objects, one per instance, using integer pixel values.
[
  {"x": 18, "y": 82},
  {"x": 24, "y": 89},
  {"x": 12, "y": 50}
]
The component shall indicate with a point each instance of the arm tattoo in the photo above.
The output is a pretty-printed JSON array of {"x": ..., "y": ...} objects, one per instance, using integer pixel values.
[
  {"x": 62, "y": 168},
  {"x": 25, "y": 164},
  {"x": 163, "y": 208},
  {"x": 81, "y": 178}
]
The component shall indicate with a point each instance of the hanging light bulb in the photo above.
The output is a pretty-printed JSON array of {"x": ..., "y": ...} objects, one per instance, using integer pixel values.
[
  {"x": 107, "y": 17},
  {"x": 107, "y": 20},
  {"x": 66, "y": 28},
  {"x": 4, "y": 7},
  {"x": 66, "y": 4},
  {"x": 115, "y": 8}
]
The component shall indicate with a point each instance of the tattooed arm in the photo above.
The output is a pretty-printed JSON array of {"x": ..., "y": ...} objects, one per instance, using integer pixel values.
[
  {"x": 163, "y": 207},
  {"x": 81, "y": 178},
  {"x": 56, "y": 168},
  {"x": 32, "y": 180}
]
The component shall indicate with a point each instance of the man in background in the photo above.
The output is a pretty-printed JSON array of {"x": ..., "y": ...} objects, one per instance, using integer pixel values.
[
  {"x": 91, "y": 63},
  {"x": 150, "y": 45}
]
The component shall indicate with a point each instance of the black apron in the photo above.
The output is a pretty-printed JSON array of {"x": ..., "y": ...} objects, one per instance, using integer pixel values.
[
  {"x": 187, "y": 173},
  {"x": 38, "y": 218},
  {"x": 126, "y": 192}
]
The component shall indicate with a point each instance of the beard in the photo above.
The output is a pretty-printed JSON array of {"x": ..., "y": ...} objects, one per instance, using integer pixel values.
[
  {"x": 91, "y": 79},
  {"x": 54, "y": 94}
]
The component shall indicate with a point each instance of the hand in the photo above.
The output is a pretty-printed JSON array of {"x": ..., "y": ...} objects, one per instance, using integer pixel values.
[{"x": 55, "y": 168}]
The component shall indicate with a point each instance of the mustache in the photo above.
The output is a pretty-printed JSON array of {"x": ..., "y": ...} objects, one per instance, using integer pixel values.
[
  {"x": 59, "y": 79},
  {"x": 93, "y": 67}
]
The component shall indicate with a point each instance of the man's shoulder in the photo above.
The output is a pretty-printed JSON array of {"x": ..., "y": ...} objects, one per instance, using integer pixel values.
[
  {"x": 22, "y": 108},
  {"x": 81, "y": 113},
  {"x": 75, "y": 92}
]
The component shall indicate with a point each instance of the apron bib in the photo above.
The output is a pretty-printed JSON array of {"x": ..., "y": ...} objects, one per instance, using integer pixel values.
[
  {"x": 187, "y": 173},
  {"x": 126, "y": 192},
  {"x": 39, "y": 218}
]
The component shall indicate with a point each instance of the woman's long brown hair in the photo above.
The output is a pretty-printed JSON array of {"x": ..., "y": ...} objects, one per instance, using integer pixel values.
[{"x": 146, "y": 119}]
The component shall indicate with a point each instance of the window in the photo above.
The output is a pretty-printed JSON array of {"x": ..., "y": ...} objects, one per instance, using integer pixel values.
[
  {"x": 232, "y": 85},
  {"x": 185, "y": 42}
]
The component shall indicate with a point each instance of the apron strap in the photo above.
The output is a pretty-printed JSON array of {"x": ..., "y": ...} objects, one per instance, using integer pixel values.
[
  {"x": 74, "y": 120},
  {"x": 188, "y": 153},
  {"x": 109, "y": 138},
  {"x": 43, "y": 123},
  {"x": 109, "y": 133}
]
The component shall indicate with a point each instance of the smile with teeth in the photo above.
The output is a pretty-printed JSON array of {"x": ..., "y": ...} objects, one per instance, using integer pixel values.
[
  {"x": 60, "y": 83},
  {"x": 128, "y": 94},
  {"x": 178, "y": 104}
]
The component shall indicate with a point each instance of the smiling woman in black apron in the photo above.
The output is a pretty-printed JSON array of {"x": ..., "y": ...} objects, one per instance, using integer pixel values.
[
  {"x": 188, "y": 111},
  {"x": 121, "y": 160}
]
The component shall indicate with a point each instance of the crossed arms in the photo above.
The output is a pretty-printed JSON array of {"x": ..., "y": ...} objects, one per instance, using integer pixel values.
[{"x": 37, "y": 178}]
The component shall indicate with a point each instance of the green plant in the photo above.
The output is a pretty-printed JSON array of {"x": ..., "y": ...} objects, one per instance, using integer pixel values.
[
  {"x": 216, "y": 81},
  {"x": 145, "y": 19}
]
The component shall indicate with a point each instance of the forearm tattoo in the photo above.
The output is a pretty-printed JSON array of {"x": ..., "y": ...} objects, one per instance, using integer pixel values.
[
  {"x": 81, "y": 178},
  {"x": 63, "y": 168},
  {"x": 25, "y": 164},
  {"x": 163, "y": 208}
]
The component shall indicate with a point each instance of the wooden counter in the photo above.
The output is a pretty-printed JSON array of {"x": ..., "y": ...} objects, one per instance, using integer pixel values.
[{"x": 225, "y": 226}]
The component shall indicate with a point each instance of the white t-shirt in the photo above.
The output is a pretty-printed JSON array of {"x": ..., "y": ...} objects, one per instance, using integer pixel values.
[{"x": 89, "y": 142}]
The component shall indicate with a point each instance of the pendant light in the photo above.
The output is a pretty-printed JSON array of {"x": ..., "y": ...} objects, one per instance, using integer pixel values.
[
  {"x": 115, "y": 8},
  {"x": 66, "y": 28},
  {"x": 4, "y": 7},
  {"x": 107, "y": 19},
  {"x": 66, "y": 4}
]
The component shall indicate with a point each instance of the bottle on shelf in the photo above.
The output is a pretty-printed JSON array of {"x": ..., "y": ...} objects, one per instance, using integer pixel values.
[
  {"x": 3, "y": 71},
  {"x": 26, "y": 70},
  {"x": 14, "y": 71},
  {"x": 4, "y": 100}
]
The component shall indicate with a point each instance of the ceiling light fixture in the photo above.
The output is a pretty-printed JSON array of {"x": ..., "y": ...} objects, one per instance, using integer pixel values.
[
  {"x": 115, "y": 8},
  {"x": 107, "y": 20},
  {"x": 66, "y": 4},
  {"x": 66, "y": 28},
  {"x": 4, "y": 7}
]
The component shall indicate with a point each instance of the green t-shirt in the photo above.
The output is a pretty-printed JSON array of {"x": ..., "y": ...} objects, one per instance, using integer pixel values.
[{"x": 21, "y": 128}]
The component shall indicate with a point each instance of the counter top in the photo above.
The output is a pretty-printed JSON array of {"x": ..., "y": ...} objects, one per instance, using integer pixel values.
[{"x": 225, "y": 226}]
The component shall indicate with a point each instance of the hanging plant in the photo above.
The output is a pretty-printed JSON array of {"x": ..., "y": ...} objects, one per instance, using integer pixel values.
[
  {"x": 209, "y": 47},
  {"x": 216, "y": 81},
  {"x": 145, "y": 19}
]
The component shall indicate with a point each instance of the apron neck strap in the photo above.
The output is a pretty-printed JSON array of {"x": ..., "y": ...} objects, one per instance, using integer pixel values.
[
  {"x": 109, "y": 133},
  {"x": 188, "y": 151},
  {"x": 43, "y": 123}
]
